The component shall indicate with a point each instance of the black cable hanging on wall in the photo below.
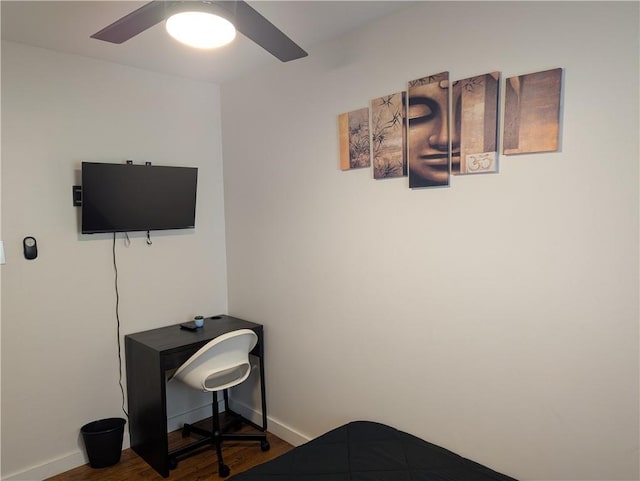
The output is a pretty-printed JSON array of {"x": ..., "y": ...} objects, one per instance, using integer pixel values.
[{"x": 115, "y": 270}]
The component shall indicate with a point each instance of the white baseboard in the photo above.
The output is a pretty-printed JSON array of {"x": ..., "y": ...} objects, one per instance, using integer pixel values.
[
  {"x": 79, "y": 458},
  {"x": 274, "y": 426},
  {"x": 57, "y": 466}
]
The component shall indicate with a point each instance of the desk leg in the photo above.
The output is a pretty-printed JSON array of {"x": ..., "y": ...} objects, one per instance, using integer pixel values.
[
  {"x": 262, "y": 387},
  {"x": 146, "y": 391},
  {"x": 259, "y": 353}
]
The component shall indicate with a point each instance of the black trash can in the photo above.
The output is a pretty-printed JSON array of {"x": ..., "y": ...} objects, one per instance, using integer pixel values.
[{"x": 103, "y": 441}]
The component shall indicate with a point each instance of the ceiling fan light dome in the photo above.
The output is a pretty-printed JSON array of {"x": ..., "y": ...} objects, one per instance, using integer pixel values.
[{"x": 200, "y": 29}]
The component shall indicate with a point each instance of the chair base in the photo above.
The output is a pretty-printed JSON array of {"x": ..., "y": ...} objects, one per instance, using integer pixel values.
[{"x": 215, "y": 438}]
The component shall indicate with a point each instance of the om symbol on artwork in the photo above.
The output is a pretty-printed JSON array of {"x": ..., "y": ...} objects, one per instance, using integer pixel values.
[{"x": 480, "y": 162}]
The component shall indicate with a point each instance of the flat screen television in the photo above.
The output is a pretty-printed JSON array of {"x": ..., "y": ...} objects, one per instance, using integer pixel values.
[{"x": 128, "y": 198}]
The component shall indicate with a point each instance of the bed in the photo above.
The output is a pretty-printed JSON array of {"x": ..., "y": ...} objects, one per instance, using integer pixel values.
[{"x": 368, "y": 451}]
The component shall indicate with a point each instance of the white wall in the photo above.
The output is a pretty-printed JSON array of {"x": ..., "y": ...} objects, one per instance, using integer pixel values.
[
  {"x": 497, "y": 317},
  {"x": 59, "y": 351}
]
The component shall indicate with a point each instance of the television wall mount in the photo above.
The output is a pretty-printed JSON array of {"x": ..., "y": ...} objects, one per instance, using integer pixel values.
[{"x": 77, "y": 195}]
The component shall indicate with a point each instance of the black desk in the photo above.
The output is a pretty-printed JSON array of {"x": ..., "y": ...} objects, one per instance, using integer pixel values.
[{"x": 149, "y": 355}]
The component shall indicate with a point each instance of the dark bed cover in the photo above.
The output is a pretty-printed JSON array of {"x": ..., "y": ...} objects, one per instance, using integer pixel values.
[{"x": 368, "y": 451}]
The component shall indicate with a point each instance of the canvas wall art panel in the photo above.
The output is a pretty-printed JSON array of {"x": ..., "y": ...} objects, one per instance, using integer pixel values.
[
  {"x": 388, "y": 136},
  {"x": 532, "y": 112},
  {"x": 428, "y": 131},
  {"x": 355, "y": 146},
  {"x": 474, "y": 136}
]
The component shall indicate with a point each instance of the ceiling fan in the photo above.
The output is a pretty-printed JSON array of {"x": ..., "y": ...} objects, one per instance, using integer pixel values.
[{"x": 245, "y": 19}]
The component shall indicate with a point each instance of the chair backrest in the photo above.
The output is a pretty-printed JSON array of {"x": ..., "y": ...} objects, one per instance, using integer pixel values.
[{"x": 221, "y": 363}]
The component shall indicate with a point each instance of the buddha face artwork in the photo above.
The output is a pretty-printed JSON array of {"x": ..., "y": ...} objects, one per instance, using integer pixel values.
[{"x": 428, "y": 131}]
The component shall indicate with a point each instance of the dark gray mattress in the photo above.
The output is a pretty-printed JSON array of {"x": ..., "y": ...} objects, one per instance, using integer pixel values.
[{"x": 367, "y": 451}]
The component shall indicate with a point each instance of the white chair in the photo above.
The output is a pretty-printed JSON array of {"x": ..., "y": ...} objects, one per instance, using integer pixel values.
[{"x": 219, "y": 365}]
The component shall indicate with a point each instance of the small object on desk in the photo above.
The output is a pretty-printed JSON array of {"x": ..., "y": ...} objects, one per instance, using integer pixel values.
[
  {"x": 189, "y": 326},
  {"x": 198, "y": 321}
]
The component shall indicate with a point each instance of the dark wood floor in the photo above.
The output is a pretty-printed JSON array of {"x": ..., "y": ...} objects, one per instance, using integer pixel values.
[{"x": 239, "y": 456}]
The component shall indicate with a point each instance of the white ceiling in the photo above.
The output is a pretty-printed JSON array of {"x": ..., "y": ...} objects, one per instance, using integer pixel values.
[{"x": 66, "y": 26}]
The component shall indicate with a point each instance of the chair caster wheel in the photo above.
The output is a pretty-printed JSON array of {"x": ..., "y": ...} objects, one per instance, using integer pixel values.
[
  {"x": 173, "y": 463},
  {"x": 264, "y": 445},
  {"x": 223, "y": 470}
]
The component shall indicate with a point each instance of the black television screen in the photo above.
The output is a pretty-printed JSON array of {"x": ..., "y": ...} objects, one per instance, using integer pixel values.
[{"x": 127, "y": 198}]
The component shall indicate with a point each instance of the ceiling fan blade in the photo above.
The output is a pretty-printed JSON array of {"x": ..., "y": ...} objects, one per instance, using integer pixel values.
[
  {"x": 254, "y": 26},
  {"x": 247, "y": 21},
  {"x": 134, "y": 23}
]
